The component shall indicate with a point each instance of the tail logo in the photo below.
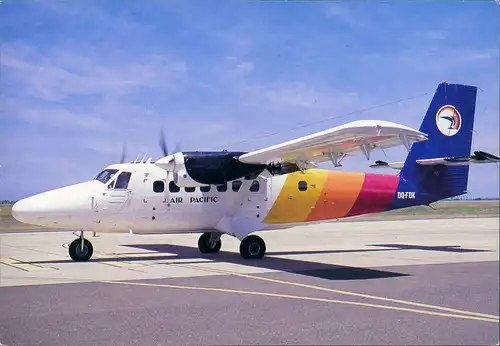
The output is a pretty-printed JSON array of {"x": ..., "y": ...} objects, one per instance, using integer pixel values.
[{"x": 448, "y": 120}]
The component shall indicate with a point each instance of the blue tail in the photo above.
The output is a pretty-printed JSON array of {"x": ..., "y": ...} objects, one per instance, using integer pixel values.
[{"x": 449, "y": 124}]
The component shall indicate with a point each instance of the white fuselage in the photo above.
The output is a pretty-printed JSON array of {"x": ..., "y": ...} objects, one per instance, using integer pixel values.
[{"x": 148, "y": 204}]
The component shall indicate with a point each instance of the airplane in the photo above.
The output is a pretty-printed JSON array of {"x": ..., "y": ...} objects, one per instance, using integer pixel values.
[{"x": 239, "y": 193}]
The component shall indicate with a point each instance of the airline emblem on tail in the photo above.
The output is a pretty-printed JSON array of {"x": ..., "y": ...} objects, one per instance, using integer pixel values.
[{"x": 448, "y": 120}]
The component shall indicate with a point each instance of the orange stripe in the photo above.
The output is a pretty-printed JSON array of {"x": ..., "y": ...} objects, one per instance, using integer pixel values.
[
  {"x": 293, "y": 205},
  {"x": 338, "y": 196}
]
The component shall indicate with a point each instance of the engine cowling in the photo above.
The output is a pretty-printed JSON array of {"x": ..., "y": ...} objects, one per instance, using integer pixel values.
[
  {"x": 182, "y": 179},
  {"x": 198, "y": 168}
]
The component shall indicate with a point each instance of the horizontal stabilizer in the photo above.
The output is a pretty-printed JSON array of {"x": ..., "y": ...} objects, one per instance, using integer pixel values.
[
  {"x": 478, "y": 157},
  {"x": 383, "y": 164}
]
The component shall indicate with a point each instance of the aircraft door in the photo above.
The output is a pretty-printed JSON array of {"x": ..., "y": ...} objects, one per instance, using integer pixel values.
[
  {"x": 255, "y": 203},
  {"x": 152, "y": 208}
]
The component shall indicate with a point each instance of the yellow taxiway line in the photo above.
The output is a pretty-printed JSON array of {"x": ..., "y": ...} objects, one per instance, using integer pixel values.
[
  {"x": 12, "y": 262},
  {"x": 361, "y": 295},
  {"x": 325, "y": 300}
]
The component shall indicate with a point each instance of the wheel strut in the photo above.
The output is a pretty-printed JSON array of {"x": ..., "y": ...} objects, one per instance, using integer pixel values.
[{"x": 82, "y": 240}]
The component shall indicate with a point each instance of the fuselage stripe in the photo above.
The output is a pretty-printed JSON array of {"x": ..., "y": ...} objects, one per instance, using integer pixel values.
[
  {"x": 376, "y": 194},
  {"x": 294, "y": 205},
  {"x": 338, "y": 196}
]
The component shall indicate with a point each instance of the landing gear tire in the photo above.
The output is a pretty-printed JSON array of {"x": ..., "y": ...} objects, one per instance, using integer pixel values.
[
  {"x": 207, "y": 245},
  {"x": 77, "y": 253},
  {"x": 252, "y": 247}
]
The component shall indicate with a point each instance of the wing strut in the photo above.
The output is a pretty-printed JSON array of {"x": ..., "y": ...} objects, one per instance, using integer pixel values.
[
  {"x": 405, "y": 141},
  {"x": 366, "y": 150},
  {"x": 336, "y": 159}
]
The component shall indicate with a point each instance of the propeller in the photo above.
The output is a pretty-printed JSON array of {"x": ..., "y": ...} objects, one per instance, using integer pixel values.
[
  {"x": 164, "y": 146},
  {"x": 163, "y": 143},
  {"x": 164, "y": 149},
  {"x": 123, "y": 156}
]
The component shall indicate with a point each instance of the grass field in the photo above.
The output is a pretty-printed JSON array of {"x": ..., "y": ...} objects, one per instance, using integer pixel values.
[
  {"x": 439, "y": 210},
  {"x": 7, "y": 222},
  {"x": 444, "y": 209}
]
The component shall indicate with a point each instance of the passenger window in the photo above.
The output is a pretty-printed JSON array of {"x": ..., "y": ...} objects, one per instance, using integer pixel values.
[
  {"x": 236, "y": 185},
  {"x": 222, "y": 187},
  {"x": 302, "y": 185},
  {"x": 255, "y": 186},
  {"x": 190, "y": 189},
  {"x": 205, "y": 188},
  {"x": 172, "y": 187},
  {"x": 158, "y": 186},
  {"x": 122, "y": 180}
]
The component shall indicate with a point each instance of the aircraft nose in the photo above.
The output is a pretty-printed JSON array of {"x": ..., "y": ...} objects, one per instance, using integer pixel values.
[
  {"x": 21, "y": 210},
  {"x": 54, "y": 207},
  {"x": 36, "y": 210}
]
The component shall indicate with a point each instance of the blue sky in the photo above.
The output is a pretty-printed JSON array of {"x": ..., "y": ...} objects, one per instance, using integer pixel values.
[{"x": 80, "y": 77}]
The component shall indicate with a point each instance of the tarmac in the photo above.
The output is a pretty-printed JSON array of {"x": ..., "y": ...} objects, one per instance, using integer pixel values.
[{"x": 374, "y": 282}]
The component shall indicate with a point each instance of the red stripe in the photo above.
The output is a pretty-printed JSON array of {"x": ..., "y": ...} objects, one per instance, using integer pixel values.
[{"x": 376, "y": 194}]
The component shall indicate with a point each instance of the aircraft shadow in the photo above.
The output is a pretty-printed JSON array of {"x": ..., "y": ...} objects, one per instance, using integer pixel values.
[{"x": 294, "y": 266}]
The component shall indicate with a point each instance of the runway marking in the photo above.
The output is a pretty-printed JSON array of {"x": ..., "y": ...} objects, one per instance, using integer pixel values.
[
  {"x": 319, "y": 288},
  {"x": 122, "y": 264},
  {"x": 324, "y": 300},
  {"x": 12, "y": 262}
]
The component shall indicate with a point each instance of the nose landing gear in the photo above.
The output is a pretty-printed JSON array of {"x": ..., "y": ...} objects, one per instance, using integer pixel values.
[{"x": 80, "y": 249}]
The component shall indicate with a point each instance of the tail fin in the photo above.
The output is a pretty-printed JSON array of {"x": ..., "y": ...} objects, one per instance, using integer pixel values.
[{"x": 449, "y": 124}]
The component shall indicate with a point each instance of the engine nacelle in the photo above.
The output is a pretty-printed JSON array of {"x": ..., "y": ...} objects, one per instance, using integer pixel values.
[
  {"x": 182, "y": 179},
  {"x": 200, "y": 168},
  {"x": 172, "y": 163}
]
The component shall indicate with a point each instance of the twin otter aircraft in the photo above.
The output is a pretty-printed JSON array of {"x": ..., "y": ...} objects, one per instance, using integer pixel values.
[{"x": 239, "y": 193}]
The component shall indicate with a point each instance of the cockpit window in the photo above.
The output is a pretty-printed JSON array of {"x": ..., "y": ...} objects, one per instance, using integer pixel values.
[
  {"x": 106, "y": 175},
  {"x": 122, "y": 180}
]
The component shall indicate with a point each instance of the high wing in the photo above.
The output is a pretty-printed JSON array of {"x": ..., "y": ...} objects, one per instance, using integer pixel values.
[{"x": 354, "y": 138}]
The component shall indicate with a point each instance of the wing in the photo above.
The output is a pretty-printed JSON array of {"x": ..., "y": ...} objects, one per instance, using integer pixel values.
[{"x": 353, "y": 138}]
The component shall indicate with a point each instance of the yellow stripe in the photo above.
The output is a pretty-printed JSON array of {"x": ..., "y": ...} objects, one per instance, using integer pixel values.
[
  {"x": 325, "y": 300},
  {"x": 360, "y": 295},
  {"x": 293, "y": 205},
  {"x": 122, "y": 264},
  {"x": 23, "y": 266}
]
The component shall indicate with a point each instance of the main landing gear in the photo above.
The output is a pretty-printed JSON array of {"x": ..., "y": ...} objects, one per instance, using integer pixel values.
[
  {"x": 80, "y": 249},
  {"x": 251, "y": 247}
]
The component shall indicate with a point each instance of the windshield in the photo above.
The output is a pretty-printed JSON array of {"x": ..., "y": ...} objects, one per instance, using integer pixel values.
[{"x": 105, "y": 175}]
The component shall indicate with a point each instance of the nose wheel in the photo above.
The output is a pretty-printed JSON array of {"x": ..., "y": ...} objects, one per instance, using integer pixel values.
[{"x": 80, "y": 249}]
